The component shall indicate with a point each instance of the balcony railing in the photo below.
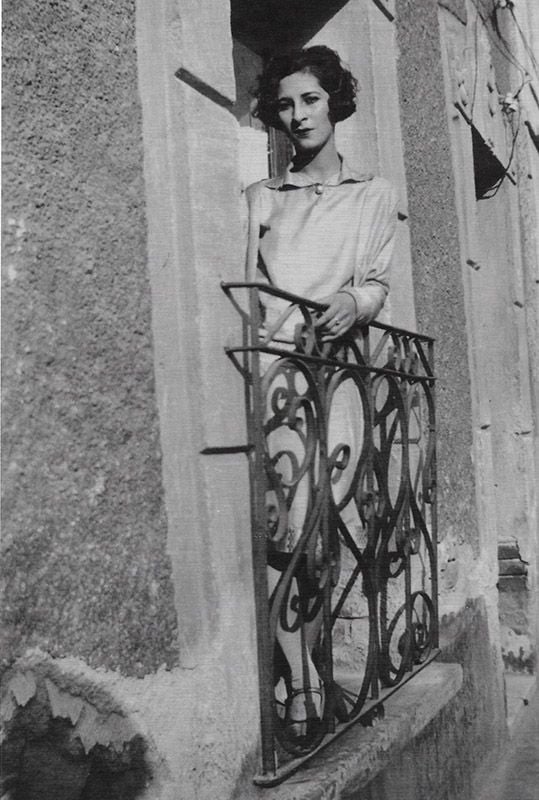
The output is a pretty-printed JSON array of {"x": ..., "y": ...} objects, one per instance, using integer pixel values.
[{"x": 342, "y": 468}]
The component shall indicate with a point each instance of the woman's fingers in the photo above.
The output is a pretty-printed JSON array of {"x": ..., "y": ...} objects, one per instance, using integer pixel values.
[
  {"x": 336, "y": 309},
  {"x": 327, "y": 316},
  {"x": 338, "y": 317}
]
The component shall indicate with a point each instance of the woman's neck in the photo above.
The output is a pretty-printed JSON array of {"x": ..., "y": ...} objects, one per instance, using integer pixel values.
[{"x": 318, "y": 166}]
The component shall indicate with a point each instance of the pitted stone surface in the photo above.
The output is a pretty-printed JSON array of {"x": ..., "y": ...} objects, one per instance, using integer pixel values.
[
  {"x": 436, "y": 262},
  {"x": 84, "y": 527}
]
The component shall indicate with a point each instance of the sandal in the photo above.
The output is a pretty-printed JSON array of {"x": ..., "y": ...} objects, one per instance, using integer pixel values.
[{"x": 313, "y": 707}]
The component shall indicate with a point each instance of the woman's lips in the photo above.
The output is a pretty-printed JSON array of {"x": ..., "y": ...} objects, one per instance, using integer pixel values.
[{"x": 301, "y": 132}]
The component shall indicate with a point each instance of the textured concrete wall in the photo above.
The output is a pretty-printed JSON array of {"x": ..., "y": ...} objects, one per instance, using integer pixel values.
[
  {"x": 436, "y": 259},
  {"x": 84, "y": 526},
  {"x": 529, "y": 211},
  {"x": 528, "y": 195}
]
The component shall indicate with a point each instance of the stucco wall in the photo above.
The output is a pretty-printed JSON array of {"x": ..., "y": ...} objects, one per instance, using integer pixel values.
[
  {"x": 83, "y": 517},
  {"x": 436, "y": 259}
]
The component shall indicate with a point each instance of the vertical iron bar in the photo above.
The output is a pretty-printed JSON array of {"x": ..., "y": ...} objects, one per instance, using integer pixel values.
[
  {"x": 405, "y": 456},
  {"x": 326, "y": 521},
  {"x": 434, "y": 503},
  {"x": 408, "y": 612},
  {"x": 259, "y": 545},
  {"x": 371, "y": 566}
]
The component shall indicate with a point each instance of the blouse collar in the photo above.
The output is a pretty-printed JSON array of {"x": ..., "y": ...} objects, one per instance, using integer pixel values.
[{"x": 298, "y": 179}]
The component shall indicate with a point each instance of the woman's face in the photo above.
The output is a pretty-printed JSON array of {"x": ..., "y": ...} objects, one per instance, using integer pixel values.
[{"x": 303, "y": 109}]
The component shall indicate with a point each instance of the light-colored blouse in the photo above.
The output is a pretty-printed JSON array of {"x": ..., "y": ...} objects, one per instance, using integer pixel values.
[{"x": 314, "y": 239}]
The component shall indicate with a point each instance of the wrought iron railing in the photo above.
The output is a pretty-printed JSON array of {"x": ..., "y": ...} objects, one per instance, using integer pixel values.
[{"x": 342, "y": 466}]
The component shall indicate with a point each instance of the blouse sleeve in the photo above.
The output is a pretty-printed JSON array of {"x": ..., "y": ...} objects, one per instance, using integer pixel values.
[{"x": 371, "y": 279}]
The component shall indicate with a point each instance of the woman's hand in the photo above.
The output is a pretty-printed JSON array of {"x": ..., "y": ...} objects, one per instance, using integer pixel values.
[{"x": 339, "y": 317}]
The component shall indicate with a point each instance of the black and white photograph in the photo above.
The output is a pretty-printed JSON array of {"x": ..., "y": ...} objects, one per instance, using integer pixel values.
[{"x": 270, "y": 400}]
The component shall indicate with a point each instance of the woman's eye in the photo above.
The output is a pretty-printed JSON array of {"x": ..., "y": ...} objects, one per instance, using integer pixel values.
[
  {"x": 282, "y": 106},
  {"x": 311, "y": 100}
]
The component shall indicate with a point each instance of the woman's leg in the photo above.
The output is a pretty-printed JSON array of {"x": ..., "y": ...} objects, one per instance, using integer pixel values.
[{"x": 305, "y": 700}]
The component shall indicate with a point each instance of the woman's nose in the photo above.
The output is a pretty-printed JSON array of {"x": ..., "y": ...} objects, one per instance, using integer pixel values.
[{"x": 299, "y": 112}]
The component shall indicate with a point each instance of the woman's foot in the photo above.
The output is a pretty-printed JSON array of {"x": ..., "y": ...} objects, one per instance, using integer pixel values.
[{"x": 304, "y": 711}]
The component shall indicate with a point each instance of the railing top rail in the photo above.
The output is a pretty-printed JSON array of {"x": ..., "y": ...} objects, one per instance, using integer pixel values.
[
  {"x": 332, "y": 361},
  {"x": 313, "y": 304}
]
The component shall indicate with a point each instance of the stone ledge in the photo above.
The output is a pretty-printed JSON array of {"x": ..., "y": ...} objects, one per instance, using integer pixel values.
[{"x": 356, "y": 757}]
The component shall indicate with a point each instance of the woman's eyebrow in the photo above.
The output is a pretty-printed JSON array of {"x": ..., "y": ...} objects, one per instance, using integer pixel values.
[{"x": 303, "y": 94}]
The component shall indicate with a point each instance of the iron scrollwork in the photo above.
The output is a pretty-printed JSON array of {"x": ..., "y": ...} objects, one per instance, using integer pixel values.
[{"x": 344, "y": 519}]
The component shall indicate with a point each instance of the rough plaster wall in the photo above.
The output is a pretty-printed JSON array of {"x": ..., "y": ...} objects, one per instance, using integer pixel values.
[
  {"x": 84, "y": 527},
  {"x": 194, "y": 749},
  {"x": 436, "y": 262},
  {"x": 506, "y": 385},
  {"x": 530, "y": 231}
]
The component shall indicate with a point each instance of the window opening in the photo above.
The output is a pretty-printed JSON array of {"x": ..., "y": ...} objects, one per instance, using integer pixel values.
[
  {"x": 270, "y": 26},
  {"x": 361, "y": 578}
]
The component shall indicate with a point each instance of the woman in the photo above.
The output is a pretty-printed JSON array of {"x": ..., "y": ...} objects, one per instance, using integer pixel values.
[{"x": 324, "y": 231}]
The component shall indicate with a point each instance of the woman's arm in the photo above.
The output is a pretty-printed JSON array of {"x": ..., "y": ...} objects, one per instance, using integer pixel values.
[
  {"x": 362, "y": 301},
  {"x": 370, "y": 289}
]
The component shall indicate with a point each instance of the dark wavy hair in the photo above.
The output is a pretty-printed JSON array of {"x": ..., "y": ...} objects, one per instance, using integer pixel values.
[{"x": 322, "y": 62}]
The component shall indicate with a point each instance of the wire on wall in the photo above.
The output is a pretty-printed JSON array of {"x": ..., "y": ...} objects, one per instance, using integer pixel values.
[
  {"x": 498, "y": 39},
  {"x": 510, "y": 104}
]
